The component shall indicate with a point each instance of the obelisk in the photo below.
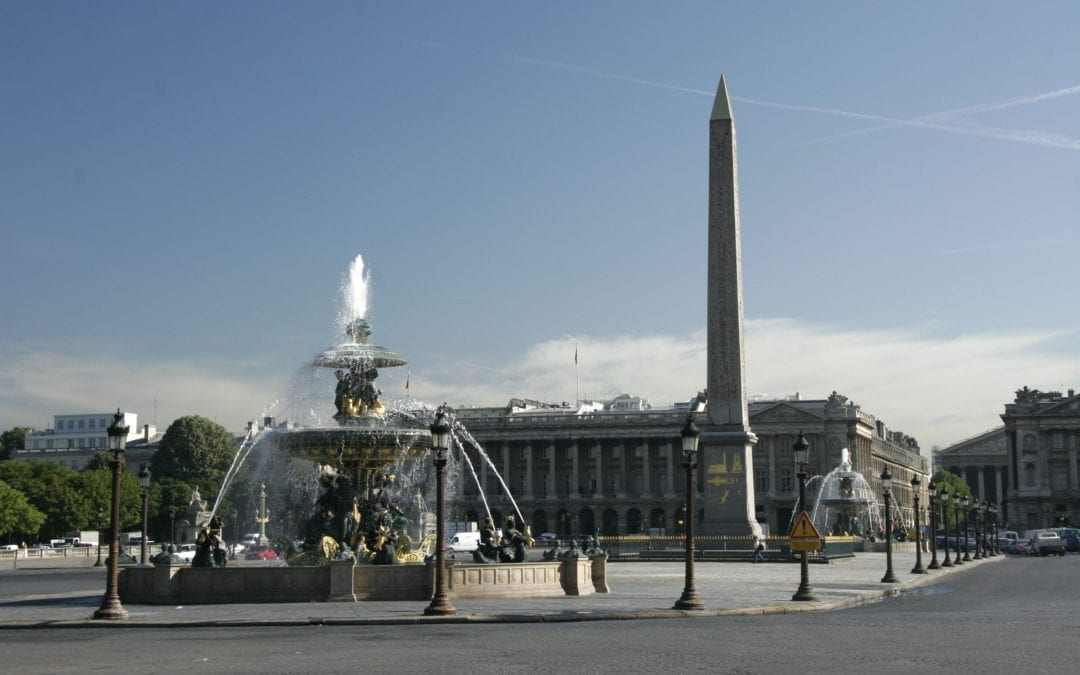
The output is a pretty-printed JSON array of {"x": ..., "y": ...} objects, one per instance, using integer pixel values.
[{"x": 727, "y": 444}]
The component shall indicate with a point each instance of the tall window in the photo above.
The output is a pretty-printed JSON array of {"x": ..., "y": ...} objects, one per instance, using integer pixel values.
[
  {"x": 785, "y": 479},
  {"x": 761, "y": 479},
  {"x": 81, "y": 424}
]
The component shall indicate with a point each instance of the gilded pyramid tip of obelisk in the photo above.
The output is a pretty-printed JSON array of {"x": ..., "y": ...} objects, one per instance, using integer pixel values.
[{"x": 721, "y": 109}]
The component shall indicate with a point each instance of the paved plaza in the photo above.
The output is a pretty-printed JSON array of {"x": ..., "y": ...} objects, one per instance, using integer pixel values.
[{"x": 638, "y": 591}]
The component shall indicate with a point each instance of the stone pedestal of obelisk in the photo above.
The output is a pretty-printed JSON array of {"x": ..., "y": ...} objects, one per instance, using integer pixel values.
[{"x": 727, "y": 444}]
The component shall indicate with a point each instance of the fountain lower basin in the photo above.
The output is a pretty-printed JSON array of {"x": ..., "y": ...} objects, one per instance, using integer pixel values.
[{"x": 342, "y": 581}]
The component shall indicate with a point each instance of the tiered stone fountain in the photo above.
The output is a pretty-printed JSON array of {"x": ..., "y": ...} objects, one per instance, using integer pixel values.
[{"x": 361, "y": 549}]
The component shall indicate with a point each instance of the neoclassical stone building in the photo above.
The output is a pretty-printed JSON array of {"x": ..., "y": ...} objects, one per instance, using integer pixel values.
[
  {"x": 617, "y": 467},
  {"x": 1030, "y": 463}
]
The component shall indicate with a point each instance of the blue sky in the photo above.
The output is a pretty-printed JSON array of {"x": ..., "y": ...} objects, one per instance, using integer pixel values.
[{"x": 185, "y": 184}]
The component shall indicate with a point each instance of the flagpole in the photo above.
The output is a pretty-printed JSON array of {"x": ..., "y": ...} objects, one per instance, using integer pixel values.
[{"x": 577, "y": 380}]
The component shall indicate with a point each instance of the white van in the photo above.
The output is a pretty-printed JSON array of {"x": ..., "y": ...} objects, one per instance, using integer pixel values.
[{"x": 464, "y": 541}]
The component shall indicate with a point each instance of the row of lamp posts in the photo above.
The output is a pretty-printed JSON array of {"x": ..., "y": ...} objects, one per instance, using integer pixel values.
[{"x": 690, "y": 600}]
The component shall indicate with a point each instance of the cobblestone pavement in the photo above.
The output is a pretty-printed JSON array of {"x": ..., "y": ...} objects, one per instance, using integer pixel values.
[{"x": 638, "y": 591}]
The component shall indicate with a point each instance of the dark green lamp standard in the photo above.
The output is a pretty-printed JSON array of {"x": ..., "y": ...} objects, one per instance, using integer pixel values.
[
  {"x": 995, "y": 545},
  {"x": 690, "y": 436},
  {"x": 110, "y": 605},
  {"x": 440, "y": 442},
  {"x": 886, "y": 489},
  {"x": 144, "y": 482},
  {"x": 100, "y": 534},
  {"x": 945, "y": 524},
  {"x": 931, "y": 490},
  {"x": 965, "y": 502},
  {"x": 802, "y": 455},
  {"x": 980, "y": 549},
  {"x": 918, "y": 569},
  {"x": 956, "y": 514}
]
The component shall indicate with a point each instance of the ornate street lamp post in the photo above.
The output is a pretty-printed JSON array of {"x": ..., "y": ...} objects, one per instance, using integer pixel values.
[
  {"x": 966, "y": 502},
  {"x": 690, "y": 435},
  {"x": 977, "y": 512},
  {"x": 802, "y": 455},
  {"x": 945, "y": 524},
  {"x": 956, "y": 514},
  {"x": 886, "y": 489},
  {"x": 995, "y": 544},
  {"x": 918, "y": 569},
  {"x": 932, "y": 492},
  {"x": 144, "y": 481},
  {"x": 440, "y": 442},
  {"x": 110, "y": 606},
  {"x": 988, "y": 545},
  {"x": 100, "y": 534}
]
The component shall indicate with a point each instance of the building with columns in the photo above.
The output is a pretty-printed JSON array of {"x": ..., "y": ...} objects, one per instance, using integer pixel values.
[
  {"x": 616, "y": 466},
  {"x": 1030, "y": 463}
]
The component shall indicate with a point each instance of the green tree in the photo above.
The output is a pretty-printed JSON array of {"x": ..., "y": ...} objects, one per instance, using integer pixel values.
[
  {"x": 101, "y": 460},
  {"x": 194, "y": 451},
  {"x": 72, "y": 500},
  {"x": 955, "y": 485},
  {"x": 11, "y": 440},
  {"x": 17, "y": 516}
]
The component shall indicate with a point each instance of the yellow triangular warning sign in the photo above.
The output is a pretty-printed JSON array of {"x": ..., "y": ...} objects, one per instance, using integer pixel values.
[{"x": 804, "y": 529}]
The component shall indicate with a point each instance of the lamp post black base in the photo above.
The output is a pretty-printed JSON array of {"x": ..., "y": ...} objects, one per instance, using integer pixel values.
[
  {"x": 804, "y": 594},
  {"x": 439, "y": 607},
  {"x": 111, "y": 609},
  {"x": 934, "y": 565},
  {"x": 889, "y": 578},
  {"x": 689, "y": 600},
  {"x": 918, "y": 569}
]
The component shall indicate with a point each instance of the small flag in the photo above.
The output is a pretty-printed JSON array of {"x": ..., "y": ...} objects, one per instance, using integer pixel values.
[
  {"x": 408, "y": 374},
  {"x": 575, "y": 355}
]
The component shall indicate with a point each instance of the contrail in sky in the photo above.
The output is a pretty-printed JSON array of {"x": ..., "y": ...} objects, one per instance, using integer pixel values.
[
  {"x": 1033, "y": 137},
  {"x": 925, "y": 122},
  {"x": 958, "y": 112}
]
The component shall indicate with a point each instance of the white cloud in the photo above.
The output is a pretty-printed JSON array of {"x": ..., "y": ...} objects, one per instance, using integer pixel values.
[
  {"x": 937, "y": 389},
  {"x": 37, "y": 383}
]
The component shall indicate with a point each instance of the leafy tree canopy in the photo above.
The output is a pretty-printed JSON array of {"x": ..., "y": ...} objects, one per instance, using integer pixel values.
[
  {"x": 72, "y": 500},
  {"x": 11, "y": 440},
  {"x": 17, "y": 516},
  {"x": 954, "y": 484},
  {"x": 195, "y": 451}
]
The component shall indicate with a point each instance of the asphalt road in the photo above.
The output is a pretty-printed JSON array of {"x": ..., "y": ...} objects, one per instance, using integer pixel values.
[{"x": 1017, "y": 615}]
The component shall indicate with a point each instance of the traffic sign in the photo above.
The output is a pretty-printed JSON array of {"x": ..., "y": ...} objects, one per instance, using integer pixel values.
[{"x": 804, "y": 529}]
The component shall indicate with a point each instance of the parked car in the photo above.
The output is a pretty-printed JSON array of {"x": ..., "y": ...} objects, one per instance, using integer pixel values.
[
  {"x": 9, "y": 547},
  {"x": 1020, "y": 546},
  {"x": 186, "y": 552},
  {"x": 261, "y": 553},
  {"x": 1046, "y": 542},
  {"x": 547, "y": 536}
]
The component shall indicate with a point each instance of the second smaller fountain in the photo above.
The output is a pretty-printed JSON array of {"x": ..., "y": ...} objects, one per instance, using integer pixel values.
[{"x": 845, "y": 503}]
